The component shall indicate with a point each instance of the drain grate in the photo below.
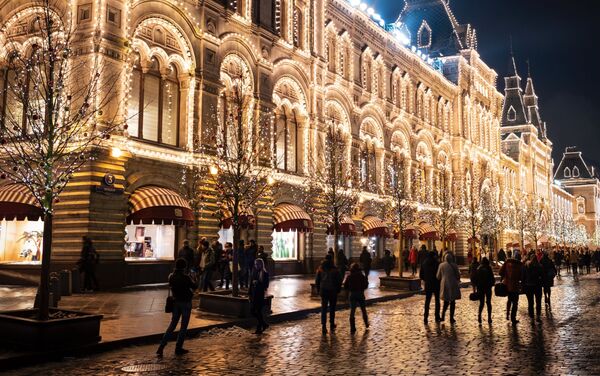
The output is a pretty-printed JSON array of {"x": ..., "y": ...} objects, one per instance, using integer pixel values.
[{"x": 148, "y": 367}]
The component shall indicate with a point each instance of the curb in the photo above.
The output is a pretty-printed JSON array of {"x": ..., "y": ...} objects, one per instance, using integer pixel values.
[{"x": 35, "y": 358}]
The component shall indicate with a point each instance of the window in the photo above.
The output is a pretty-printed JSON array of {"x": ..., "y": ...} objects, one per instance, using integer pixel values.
[
  {"x": 153, "y": 109},
  {"x": 150, "y": 242},
  {"x": 512, "y": 114},
  {"x": 368, "y": 169},
  {"x": 424, "y": 36},
  {"x": 298, "y": 32},
  {"x": 575, "y": 172},
  {"x": 287, "y": 142},
  {"x": 285, "y": 245},
  {"x": 567, "y": 172}
]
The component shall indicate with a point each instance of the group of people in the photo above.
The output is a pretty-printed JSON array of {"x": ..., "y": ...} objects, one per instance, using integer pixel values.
[{"x": 577, "y": 261}]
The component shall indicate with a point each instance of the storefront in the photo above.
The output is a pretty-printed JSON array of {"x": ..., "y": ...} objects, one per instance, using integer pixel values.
[
  {"x": 346, "y": 234},
  {"x": 246, "y": 220},
  {"x": 157, "y": 223},
  {"x": 291, "y": 227},
  {"x": 428, "y": 235},
  {"x": 375, "y": 233},
  {"x": 21, "y": 226}
]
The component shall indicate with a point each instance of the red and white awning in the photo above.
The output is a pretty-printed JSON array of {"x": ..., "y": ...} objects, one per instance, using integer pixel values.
[
  {"x": 375, "y": 226},
  {"x": 287, "y": 217},
  {"x": 152, "y": 204},
  {"x": 17, "y": 202},
  {"x": 347, "y": 227},
  {"x": 246, "y": 219}
]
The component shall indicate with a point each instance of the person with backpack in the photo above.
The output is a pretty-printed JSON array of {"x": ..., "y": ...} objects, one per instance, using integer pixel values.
[
  {"x": 484, "y": 281},
  {"x": 548, "y": 277},
  {"x": 87, "y": 263},
  {"x": 356, "y": 283},
  {"x": 328, "y": 284},
  {"x": 182, "y": 287}
]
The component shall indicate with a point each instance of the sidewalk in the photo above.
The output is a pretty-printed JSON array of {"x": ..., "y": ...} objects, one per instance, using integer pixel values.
[{"x": 135, "y": 315}]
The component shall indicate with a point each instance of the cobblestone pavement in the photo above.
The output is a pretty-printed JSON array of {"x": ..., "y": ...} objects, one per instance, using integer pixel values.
[{"x": 398, "y": 343}]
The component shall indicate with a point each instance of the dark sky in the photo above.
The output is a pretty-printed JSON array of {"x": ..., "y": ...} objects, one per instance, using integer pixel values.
[{"x": 560, "y": 38}]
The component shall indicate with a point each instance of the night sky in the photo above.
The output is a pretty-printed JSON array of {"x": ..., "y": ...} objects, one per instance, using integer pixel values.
[{"x": 560, "y": 39}]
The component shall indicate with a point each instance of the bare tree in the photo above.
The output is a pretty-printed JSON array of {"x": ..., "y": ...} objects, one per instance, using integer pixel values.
[
  {"x": 328, "y": 192},
  {"x": 471, "y": 211},
  {"x": 522, "y": 217},
  {"x": 445, "y": 217},
  {"x": 53, "y": 120},
  {"x": 493, "y": 216},
  {"x": 401, "y": 210},
  {"x": 242, "y": 171},
  {"x": 537, "y": 224}
]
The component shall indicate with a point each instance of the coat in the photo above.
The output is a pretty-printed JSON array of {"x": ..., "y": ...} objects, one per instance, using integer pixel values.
[
  {"x": 512, "y": 274},
  {"x": 328, "y": 280},
  {"x": 449, "y": 277},
  {"x": 549, "y": 271},
  {"x": 413, "y": 256},
  {"x": 484, "y": 278},
  {"x": 428, "y": 274}
]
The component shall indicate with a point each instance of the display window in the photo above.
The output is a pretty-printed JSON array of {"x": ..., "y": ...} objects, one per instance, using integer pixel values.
[
  {"x": 285, "y": 245},
  {"x": 149, "y": 242},
  {"x": 21, "y": 241},
  {"x": 226, "y": 235},
  {"x": 344, "y": 242}
]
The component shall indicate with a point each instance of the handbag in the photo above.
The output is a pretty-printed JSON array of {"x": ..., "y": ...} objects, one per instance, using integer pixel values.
[
  {"x": 474, "y": 296},
  {"x": 169, "y": 303},
  {"x": 500, "y": 289}
]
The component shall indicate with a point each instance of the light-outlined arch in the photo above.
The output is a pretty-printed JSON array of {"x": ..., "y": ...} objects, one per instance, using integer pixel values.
[
  {"x": 288, "y": 92},
  {"x": 371, "y": 131},
  {"x": 399, "y": 144}
]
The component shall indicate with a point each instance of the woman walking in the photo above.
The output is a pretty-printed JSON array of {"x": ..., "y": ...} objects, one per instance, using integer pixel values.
[
  {"x": 356, "y": 283},
  {"x": 532, "y": 284},
  {"x": 328, "y": 284},
  {"x": 88, "y": 262},
  {"x": 182, "y": 287},
  {"x": 484, "y": 280},
  {"x": 413, "y": 257},
  {"x": 549, "y": 272},
  {"x": 449, "y": 277},
  {"x": 259, "y": 283}
]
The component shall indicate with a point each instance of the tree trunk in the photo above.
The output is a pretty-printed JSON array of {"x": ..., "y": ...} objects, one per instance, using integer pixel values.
[
  {"x": 44, "y": 290},
  {"x": 400, "y": 259},
  {"x": 235, "y": 290}
]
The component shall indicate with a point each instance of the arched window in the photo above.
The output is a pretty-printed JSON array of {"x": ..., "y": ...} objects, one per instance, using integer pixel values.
[
  {"x": 575, "y": 172},
  {"x": 298, "y": 28},
  {"x": 424, "y": 36},
  {"x": 154, "y": 104},
  {"x": 512, "y": 114},
  {"x": 287, "y": 142},
  {"x": 567, "y": 172}
]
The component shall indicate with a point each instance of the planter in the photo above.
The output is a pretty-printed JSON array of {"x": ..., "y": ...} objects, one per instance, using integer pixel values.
[
  {"x": 342, "y": 296},
  {"x": 400, "y": 283},
  {"x": 21, "y": 328},
  {"x": 223, "y": 303}
]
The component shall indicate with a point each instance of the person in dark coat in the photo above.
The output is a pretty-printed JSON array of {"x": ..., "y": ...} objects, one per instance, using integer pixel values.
[
  {"x": 484, "y": 280},
  {"x": 259, "y": 283},
  {"x": 421, "y": 255},
  {"x": 87, "y": 263},
  {"x": 549, "y": 272},
  {"x": 182, "y": 288},
  {"x": 187, "y": 253},
  {"x": 328, "y": 284},
  {"x": 365, "y": 261},
  {"x": 501, "y": 256},
  {"x": 597, "y": 260},
  {"x": 388, "y": 262},
  {"x": 241, "y": 261},
  {"x": 558, "y": 256},
  {"x": 512, "y": 275},
  {"x": 532, "y": 284},
  {"x": 250, "y": 256},
  {"x": 356, "y": 283},
  {"x": 473, "y": 273},
  {"x": 449, "y": 277},
  {"x": 427, "y": 274},
  {"x": 342, "y": 263}
]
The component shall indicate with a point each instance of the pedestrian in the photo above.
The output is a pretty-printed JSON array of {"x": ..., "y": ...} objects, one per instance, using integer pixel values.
[
  {"x": 225, "y": 265},
  {"x": 241, "y": 261},
  {"x": 365, "y": 261},
  {"x": 208, "y": 265},
  {"x": 501, "y": 256},
  {"x": 261, "y": 254},
  {"x": 388, "y": 262},
  {"x": 587, "y": 260},
  {"x": 512, "y": 275},
  {"x": 341, "y": 263},
  {"x": 249, "y": 257},
  {"x": 473, "y": 273},
  {"x": 574, "y": 261},
  {"x": 328, "y": 284},
  {"x": 484, "y": 280},
  {"x": 88, "y": 262},
  {"x": 356, "y": 283},
  {"x": 422, "y": 255},
  {"x": 187, "y": 253},
  {"x": 597, "y": 260},
  {"x": 182, "y": 288},
  {"x": 259, "y": 283},
  {"x": 413, "y": 258},
  {"x": 532, "y": 285},
  {"x": 428, "y": 274},
  {"x": 549, "y": 272},
  {"x": 470, "y": 256},
  {"x": 449, "y": 277},
  {"x": 558, "y": 261}
]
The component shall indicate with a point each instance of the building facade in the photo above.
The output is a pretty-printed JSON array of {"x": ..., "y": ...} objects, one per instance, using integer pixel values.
[{"x": 413, "y": 93}]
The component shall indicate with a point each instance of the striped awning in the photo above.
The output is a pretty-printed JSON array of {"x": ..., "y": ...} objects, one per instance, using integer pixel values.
[
  {"x": 246, "y": 219},
  {"x": 375, "y": 226},
  {"x": 427, "y": 231},
  {"x": 288, "y": 217},
  {"x": 409, "y": 232},
  {"x": 452, "y": 236},
  {"x": 17, "y": 202},
  {"x": 152, "y": 204},
  {"x": 347, "y": 227}
]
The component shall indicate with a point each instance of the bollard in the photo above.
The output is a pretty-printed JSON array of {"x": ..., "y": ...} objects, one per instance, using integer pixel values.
[
  {"x": 55, "y": 286},
  {"x": 75, "y": 281},
  {"x": 65, "y": 282}
]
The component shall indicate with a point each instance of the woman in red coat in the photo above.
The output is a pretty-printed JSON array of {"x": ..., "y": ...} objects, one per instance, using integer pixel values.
[{"x": 413, "y": 257}]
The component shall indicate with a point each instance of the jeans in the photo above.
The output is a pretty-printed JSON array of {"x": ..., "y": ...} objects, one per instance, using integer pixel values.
[
  {"x": 181, "y": 310},
  {"x": 207, "y": 280},
  {"x": 486, "y": 298},
  {"x": 534, "y": 292},
  {"x": 436, "y": 295},
  {"x": 512, "y": 304},
  {"x": 328, "y": 300},
  {"x": 256, "y": 309},
  {"x": 357, "y": 299}
]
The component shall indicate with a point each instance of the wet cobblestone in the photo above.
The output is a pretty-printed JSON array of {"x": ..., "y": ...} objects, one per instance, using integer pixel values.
[{"x": 567, "y": 342}]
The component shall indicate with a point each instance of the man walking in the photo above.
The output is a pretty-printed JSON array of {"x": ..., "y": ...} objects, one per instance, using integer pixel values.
[
  {"x": 512, "y": 274},
  {"x": 428, "y": 275}
]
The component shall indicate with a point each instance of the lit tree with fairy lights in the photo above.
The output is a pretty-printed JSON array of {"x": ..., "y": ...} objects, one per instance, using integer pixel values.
[
  {"x": 537, "y": 224},
  {"x": 242, "y": 172},
  {"x": 54, "y": 119},
  {"x": 445, "y": 217}
]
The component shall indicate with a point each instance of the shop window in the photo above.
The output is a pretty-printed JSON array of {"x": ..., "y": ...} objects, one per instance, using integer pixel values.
[
  {"x": 153, "y": 108},
  {"x": 21, "y": 241},
  {"x": 285, "y": 245},
  {"x": 150, "y": 242}
]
